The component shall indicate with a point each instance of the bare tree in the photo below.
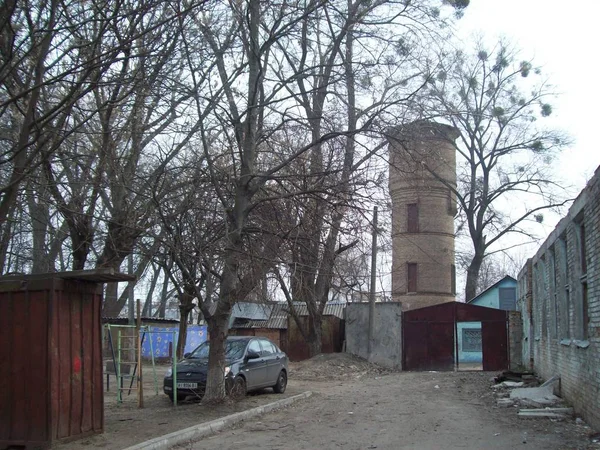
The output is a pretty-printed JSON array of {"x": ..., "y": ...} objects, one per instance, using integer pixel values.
[
  {"x": 505, "y": 181},
  {"x": 84, "y": 97},
  {"x": 357, "y": 63}
]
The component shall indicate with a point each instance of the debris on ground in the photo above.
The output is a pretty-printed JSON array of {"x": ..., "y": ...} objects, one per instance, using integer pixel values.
[
  {"x": 509, "y": 384},
  {"x": 335, "y": 366},
  {"x": 536, "y": 396},
  {"x": 510, "y": 375},
  {"x": 551, "y": 413},
  {"x": 540, "y": 400}
]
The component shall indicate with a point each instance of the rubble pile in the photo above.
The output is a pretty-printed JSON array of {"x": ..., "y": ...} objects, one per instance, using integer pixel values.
[
  {"x": 523, "y": 390},
  {"x": 334, "y": 366}
]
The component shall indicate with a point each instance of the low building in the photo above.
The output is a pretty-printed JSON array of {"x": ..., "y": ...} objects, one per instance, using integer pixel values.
[
  {"x": 559, "y": 299},
  {"x": 274, "y": 321},
  {"x": 332, "y": 332},
  {"x": 501, "y": 295},
  {"x": 273, "y": 325}
]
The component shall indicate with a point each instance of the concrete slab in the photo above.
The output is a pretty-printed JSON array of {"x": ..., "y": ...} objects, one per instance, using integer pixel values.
[
  {"x": 509, "y": 384},
  {"x": 205, "y": 429},
  {"x": 539, "y": 395},
  {"x": 547, "y": 411}
]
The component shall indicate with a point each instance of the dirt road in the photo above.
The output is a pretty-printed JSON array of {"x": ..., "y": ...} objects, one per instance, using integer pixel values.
[{"x": 401, "y": 411}]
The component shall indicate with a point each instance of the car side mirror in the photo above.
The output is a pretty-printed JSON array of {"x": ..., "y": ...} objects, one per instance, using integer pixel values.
[
  {"x": 252, "y": 355},
  {"x": 187, "y": 355}
]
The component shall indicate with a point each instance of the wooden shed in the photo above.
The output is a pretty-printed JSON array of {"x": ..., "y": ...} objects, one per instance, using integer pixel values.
[
  {"x": 273, "y": 328},
  {"x": 51, "y": 357},
  {"x": 332, "y": 332}
]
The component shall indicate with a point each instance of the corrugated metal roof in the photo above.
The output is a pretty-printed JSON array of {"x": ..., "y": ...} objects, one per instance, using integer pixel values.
[
  {"x": 278, "y": 319},
  {"x": 125, "y": 320},
  {"x": 254, "y": 311},
  {"x": 331, "y": 309}
]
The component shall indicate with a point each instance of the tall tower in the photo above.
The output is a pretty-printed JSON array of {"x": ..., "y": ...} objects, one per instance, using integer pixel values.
[{"x": 422, "y": 173}]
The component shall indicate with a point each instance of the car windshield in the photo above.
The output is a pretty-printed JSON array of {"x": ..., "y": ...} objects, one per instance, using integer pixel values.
[{"x": 234, "y": 349}]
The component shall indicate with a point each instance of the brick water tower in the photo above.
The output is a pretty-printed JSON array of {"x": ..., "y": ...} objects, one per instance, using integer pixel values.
[{"x": 422, "y": 176}]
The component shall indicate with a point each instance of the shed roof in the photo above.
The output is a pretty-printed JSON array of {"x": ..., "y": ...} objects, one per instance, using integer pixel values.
[
  {"x": 103, "y": 275},
  {"x": 277, "y": 319},
  {"x": 331, "y": 309},
  {"x": 272, "y": 315}
]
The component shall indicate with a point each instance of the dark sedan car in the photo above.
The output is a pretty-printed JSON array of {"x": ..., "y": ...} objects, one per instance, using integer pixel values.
[{"x": 252, "y": 363}]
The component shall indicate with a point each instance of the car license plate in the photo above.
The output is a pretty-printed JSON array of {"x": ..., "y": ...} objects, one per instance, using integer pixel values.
[{"x": 187, "y": 385}]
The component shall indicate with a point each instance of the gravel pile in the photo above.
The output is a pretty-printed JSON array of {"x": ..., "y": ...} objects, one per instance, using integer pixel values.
[{"x": 334, "y": 366}]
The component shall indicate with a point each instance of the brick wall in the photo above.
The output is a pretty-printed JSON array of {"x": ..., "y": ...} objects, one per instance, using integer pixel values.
[
  {"x": 515, "y": 339},
  {"x": 559, "y": 299},
  {"x": 423, "y": 173}
]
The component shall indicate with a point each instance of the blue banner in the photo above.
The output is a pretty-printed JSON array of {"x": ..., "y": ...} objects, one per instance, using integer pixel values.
[{"x": 165, "y": 338}]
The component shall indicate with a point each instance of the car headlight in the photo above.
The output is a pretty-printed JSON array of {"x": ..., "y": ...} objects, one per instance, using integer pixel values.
[
  {"x": 227, "y": 370},
  {"x": 169, "y": 372}
]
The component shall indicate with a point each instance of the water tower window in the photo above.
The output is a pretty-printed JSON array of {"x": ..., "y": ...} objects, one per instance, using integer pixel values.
[
  {"x": 413, "y": 217},
  {"x": 412, "y": 277}
]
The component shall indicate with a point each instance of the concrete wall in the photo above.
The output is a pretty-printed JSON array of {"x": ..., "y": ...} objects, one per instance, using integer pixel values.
[
  {"x": 416, "y": 150},
  {"x": 467, "y": 356},
  {"x": 491, "y": 297},
  {"x": 560, "y": 304},
  {"x": 387, "y": 333}
]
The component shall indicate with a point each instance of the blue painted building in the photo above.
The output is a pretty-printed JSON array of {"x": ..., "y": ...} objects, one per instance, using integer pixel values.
[{"x": 501, "y": 295}]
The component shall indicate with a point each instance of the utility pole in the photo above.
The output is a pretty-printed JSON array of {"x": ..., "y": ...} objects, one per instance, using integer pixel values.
[{"x": 373, "y": 281}]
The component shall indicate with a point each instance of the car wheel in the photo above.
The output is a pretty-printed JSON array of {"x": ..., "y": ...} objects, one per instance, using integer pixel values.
[
  {"x": 238, "y": 390},
  {"x": 281, "y": 384}
]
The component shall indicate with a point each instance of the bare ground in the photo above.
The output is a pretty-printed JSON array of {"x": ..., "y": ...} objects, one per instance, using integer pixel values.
[
  {"x": 126, "y": 425},
  {"x": 355, "y": 406}
]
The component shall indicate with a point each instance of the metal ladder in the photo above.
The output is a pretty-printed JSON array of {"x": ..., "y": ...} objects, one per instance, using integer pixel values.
[{"x": 125, "y": 360}]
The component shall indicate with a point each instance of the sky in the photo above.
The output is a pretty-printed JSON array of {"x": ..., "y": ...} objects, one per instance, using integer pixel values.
[{"x": 562, "y": 38}]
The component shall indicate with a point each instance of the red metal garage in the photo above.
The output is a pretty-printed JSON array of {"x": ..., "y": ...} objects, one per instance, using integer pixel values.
[{"x": 430, "y": 338}]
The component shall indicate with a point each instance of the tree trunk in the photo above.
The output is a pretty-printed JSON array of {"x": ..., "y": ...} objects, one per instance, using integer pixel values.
[
  {"x": 147, "y": 310},
  {"x": 315, "y": 335},
  {"x": 217, "y": 333},
  {"x": 111, "y": 299},
  {"x": 473, "y": 276},
  {"x": 6, "y": 230},
  {"x": 40, "y": 217},
  {"x": 162, "y": 307},
  {"x": 185, "y": 307}
]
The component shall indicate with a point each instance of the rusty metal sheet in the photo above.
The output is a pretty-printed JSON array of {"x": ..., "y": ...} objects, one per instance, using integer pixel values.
[
  {"x": 429, "y": 336},
  {"x": 50, "y": 339},
  {"x": 473, "y": 313},
  {"x": 441, "y": 346},
  {"x": 444, "y": 312},
  {"x": 494, "y": 337},
  {"x": 428, "y": 346},
  {"x": 6, "y": 323},
  {"x": 415, "y": 347}
]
